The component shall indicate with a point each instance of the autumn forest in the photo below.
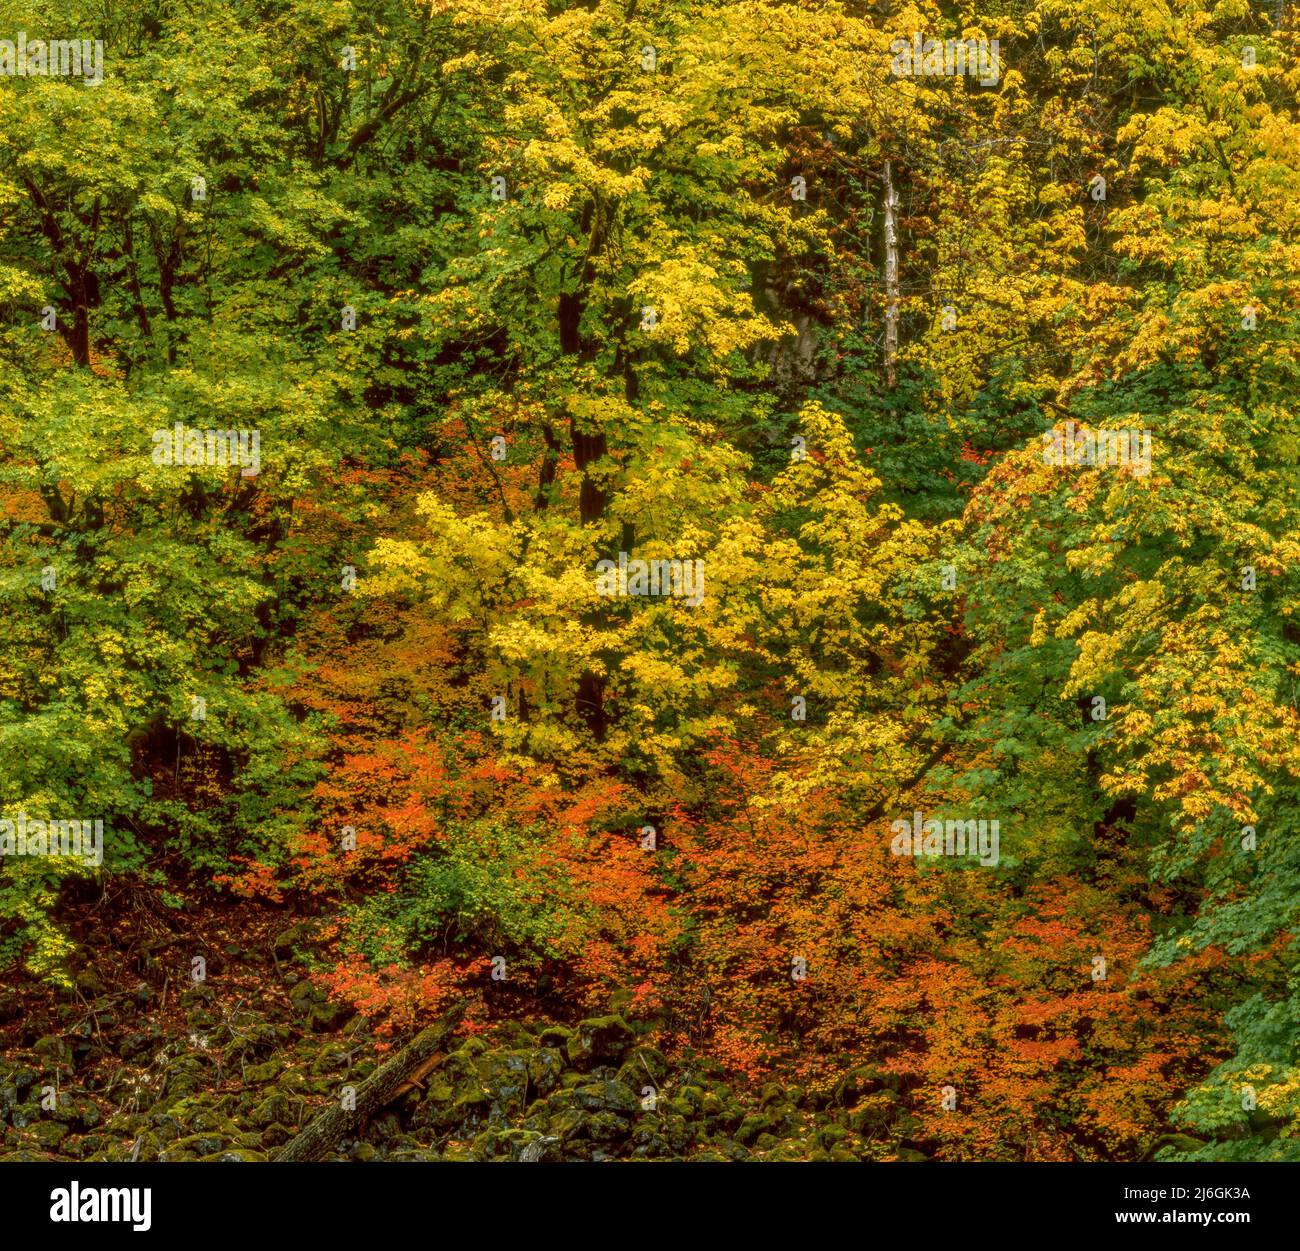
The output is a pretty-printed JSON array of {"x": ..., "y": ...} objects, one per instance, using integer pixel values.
[{"x": 650, "y": 579}]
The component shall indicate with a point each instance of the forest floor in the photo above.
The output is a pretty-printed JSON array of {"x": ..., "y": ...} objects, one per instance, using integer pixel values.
[{"x": 139, "y": 1060}]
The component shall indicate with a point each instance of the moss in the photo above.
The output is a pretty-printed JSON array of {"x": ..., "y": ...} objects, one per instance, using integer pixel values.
[
  {"x": 599, "y": 1040},
  {"x": 49, "y": 1134},
  {"x": 260, "y": 1074},
  {"x": 541, "y": 1093},
  {"x": 752, "y": 1126}
]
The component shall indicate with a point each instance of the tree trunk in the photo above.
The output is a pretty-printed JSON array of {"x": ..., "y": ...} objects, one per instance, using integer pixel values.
[
  {"x": 891, "y": 278},
  {"x": 78, "y": 339},
  {"x": 378, "y": 1089},
  {"x": 589, "y": 448}
]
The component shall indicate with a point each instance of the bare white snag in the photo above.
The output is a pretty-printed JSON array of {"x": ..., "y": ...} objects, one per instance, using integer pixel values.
[{"x": 891, "y": 277}]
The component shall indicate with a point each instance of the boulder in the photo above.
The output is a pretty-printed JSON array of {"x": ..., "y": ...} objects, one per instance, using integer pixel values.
[{"x": 599, "y": 1040}]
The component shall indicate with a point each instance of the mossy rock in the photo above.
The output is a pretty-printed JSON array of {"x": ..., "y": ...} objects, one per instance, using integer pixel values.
[
  {"x": 504, "y": 1076},
  {"x": 439, "y": 1090},
  {"x": 534, "y": 1147},
  {"x": 875, "y": 1113},
  {"x": 752, "y": 1126},
  {"x": 472, "y": 1110},
  {"x": 679, "y": 1133},
  {"x": 322, "y": 1014},
  {"x": 185, "y": 1076},
  {"x": 199, "y": 996},
  {"x": 290, "y": 943},
  {"x": 150, "y": 1147},
  {"x": 49, "y": 1134},
  {"x": 489, "y": 1145},
  {"x": 123, "y": 1124},
  {"x": 136, "y": 1044},
  {"x": 303, "y": 995},
  {"x": 711, "y": 1105},
  {"x": 22, "y": 1079},
  {"x": 333, "y": 1058},
  {"x": 26, "y": 1114},
  {"x": 1176, "y": 1144},
  {"x": 607, "y": 1127},
  {"x": 329, "y": 1016},
  {"x": 261, "y": 1074},
  {"x": 201, "y": 1144},
  {"x": 862, "y": 1081},
  {"x": 54, "y": 1051},
  {"x": 649, "y": 1144},
  {"x": 731, "y": 1151},
  {"x": 77, "y": 1111},
  {"x": 517, "y": 1036},
  {"x": 644, "y": 1066},
  {"x": 74, "y": 1148},
  {"x": 195, "y": 1112},
  {"x": 258, "y": 1038},
  {"x": 569, "y": 1124},
  {"x": 599, "y": 1040},
  {"x": 691, "y": 1097},
  {"x": 611, "y": 1096},
  {"x": 545, "y": 1069},
  {"x": 167, "y": 1128},
  {"x": 459, "y": 1067},
  {"x": 437, "y": 1115},
  {"x": 275, "y": 1108},
  {"x": 556, "y": 1102},
  {"x": 556, "y": 1036}
]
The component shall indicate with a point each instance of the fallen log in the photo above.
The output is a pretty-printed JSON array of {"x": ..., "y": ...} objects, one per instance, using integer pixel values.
[{"x": 379, "y": 1089}]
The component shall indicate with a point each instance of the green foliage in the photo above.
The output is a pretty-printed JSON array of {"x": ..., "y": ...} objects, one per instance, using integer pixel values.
[
  {"x": 684, "y": 359},
  {"x": 492, "y": 889}
]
